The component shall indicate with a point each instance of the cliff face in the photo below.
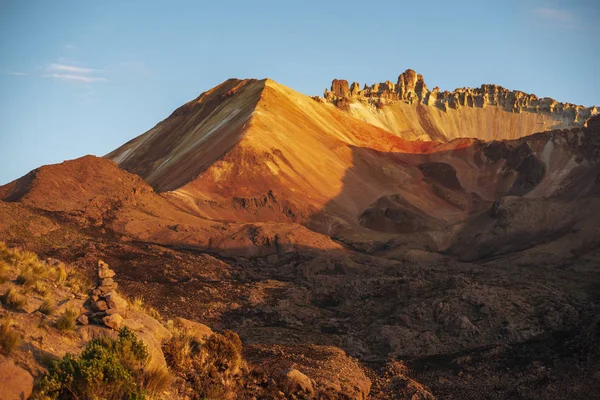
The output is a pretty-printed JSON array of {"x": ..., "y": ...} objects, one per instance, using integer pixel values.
[{"x": 490, "y": 112}]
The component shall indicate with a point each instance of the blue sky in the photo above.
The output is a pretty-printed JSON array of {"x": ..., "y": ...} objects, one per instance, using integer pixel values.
[{"x": 83, "y": 77}]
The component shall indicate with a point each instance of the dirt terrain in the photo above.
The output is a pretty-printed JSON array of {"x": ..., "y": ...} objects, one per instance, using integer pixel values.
[{"x": 461, "y": 269}]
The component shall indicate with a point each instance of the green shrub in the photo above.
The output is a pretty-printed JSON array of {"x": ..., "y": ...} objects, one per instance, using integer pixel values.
[
  {"x": 9, "y": 338},
  {"x": 66, "y": 322},
  {"x": 106, "y": 369}
]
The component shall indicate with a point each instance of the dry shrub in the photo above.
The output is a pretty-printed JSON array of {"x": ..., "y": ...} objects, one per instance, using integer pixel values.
[
  {"x": 211, "y": 369},
  {"x": 66, "y": 322},
  {"x": 4, "y": 271},
  {"x": 10, "y": 340},
  {"x": 60, "y": 273},
  {"x": 157, "y": 380},
  {"x": 138, "y": 304},
  {"x": 40, "y": 288},
  {"x": 47, "y": 307},
  {"x": 13, "y": 300}
]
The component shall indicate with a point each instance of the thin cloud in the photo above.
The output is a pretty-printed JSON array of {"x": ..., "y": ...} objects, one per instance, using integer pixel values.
[
  {"x": 17, "y": 73},
  {"x": 563, "y": 18},
  {"x": 69, "y": 72},
  {"x": 69, "y": 68},
  {"x": 76, "y": 78}
]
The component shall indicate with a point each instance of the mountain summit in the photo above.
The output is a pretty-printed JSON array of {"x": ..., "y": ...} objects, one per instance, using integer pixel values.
[
  {"x": 411, "y": 110},
  {"x": 255, "y": 150}
]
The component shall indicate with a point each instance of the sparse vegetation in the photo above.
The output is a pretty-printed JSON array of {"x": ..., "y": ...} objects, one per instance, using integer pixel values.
[
  {"x": 77, "y": 282},
  {"x": 210, "y": 368},
  {"x": 47, "y": 307},
  {"x": 12, "y": 299},
  {"x": 138, "y": 304},
  {"x": 61, "y": 273},
  {"x": 10, "y": 340},
  {"x": 27, "y": 277},
  {"x": 66, "y": 322},
  {"x": 4, "y": 271},
  {"x": 106, "y": 369},
  {"x": 40, "y": 288},
  {"x": 157, "y": 380}
]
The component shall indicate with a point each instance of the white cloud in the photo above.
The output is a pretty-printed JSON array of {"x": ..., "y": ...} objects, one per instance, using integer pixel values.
[
  {"x": 72, "y": 73},
  {"x": 17, "y": 73},
  {"x": 563, "y": 18},
  {"x": 76, "y": 78},
  {"x": 69, "y": 68}
]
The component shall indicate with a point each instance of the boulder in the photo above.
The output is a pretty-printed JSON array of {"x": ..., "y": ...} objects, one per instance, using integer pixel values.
[
  {"x": 106, "y": 273},
  {"x": 114, "y": 321},
  {"x": 298, "y": 381},
  {"x": 106, "y": 288},
  {"x": 82, "y": 320},
  {"x": 199, "y": 331},
  {"x": 15, "y": 382},
  {"x": 107, "y": 282},
  {"x": 114, "y": 300},
  {"x": 152, "y": 333},
  {"x": 99, "y": 305}
]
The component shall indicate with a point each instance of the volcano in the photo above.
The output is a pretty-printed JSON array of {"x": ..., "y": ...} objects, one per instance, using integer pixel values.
[{"x": 456, "y": 231}]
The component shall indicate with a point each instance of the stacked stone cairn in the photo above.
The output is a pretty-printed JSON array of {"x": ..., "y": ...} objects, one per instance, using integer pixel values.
[{"x": 104, "y": 304}]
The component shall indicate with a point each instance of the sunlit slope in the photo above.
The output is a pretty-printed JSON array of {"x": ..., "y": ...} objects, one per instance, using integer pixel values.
[
  {"x": 293, "y": 159},
  {"x": 198, "y": 133},
  {"x": 422, "y": 122}
]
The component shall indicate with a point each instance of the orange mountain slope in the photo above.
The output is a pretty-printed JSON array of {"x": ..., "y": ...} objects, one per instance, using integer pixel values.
[
  {"x": 258, "y": 151},
  {"x": 92, "y": 193}
]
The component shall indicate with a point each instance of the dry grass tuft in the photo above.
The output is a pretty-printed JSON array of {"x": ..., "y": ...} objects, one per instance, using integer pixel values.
[
  {"x": 66, "y": 322},
  {"x": 138, "y": 304},
  {"x": 157, "y": 380},
  {"x": 41, "y": 288},
  {"x": 61, "y": 273},
  {"x": 4, "y": 271},
  {"x": 10, "y": 340},
  {"x": 47, "y": 307},
  {"x": 13, "y": 300}
]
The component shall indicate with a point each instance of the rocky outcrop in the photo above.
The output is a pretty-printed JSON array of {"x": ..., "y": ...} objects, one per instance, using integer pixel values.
[
  {"x": 15, "y": 382},
  {"x": 411, "y": 88}
]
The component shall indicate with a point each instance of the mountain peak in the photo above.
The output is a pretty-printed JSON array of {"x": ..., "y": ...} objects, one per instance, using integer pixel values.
[
  {"x": 438, "y": 115},
  {"x": 410, "y": 88}
]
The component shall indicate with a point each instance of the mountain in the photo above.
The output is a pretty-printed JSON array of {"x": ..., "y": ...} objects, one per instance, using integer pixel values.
[
  {"x": 258, "y": 151},
  {"x": 409, "y": 109},
  {"x": 449, "y": 237}
]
